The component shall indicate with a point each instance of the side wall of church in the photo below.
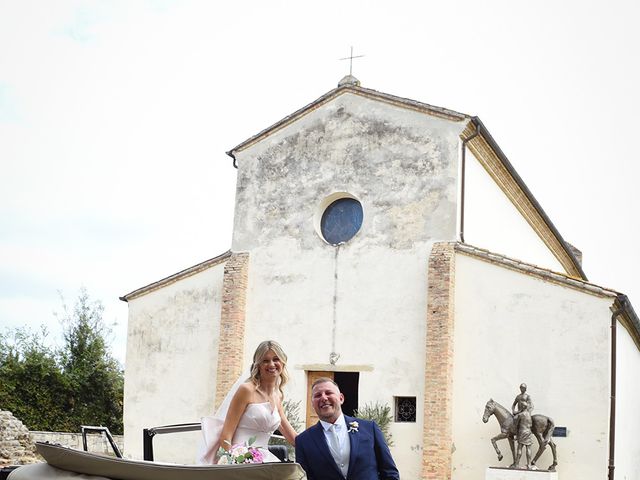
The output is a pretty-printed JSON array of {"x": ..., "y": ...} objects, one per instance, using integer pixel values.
[
  {"x": 172, "y": 353},
  {"x": 494, "y": 223},
  {"x": 511, "y": 327},
  {"x": 366, "y": 300},
  {"x": 627, "y": 456}
]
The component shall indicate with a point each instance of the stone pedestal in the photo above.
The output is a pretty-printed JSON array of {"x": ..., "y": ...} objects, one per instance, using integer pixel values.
[{"x": 496, "y": 473}]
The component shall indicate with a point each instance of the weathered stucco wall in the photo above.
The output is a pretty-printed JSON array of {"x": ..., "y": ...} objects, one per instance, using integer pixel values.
[
  {"x": 401, "y": 164},
  {"x": 627, "y": 456},
  {"x": 364, "y": 300},
  {"x": 511, "y": 328},
  {"x": 378, "y": 323},
  {"x": 171, "y": 362}
]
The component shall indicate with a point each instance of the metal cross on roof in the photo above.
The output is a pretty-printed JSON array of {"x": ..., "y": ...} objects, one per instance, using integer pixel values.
[{"x": 350, "y": 58}]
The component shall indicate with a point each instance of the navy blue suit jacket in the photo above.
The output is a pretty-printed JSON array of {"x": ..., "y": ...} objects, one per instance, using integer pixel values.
[{"x": 370, "y": 458}]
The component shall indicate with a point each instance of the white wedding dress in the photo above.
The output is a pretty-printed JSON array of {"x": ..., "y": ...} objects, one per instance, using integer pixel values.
[{"x": 259, "y": 420}]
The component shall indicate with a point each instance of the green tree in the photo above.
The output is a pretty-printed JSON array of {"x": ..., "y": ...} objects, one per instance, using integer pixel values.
[
  {"x": 95, "y": 378},
  {"x": 32, "y": 386},
  {"x": 60, "y": 389}
]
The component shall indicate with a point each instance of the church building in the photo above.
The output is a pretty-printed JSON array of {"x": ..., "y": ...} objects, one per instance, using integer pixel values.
[{"x": 391, "y": 245}]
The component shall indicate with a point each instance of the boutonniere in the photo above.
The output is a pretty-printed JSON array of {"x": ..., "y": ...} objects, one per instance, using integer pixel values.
[{"x": 353, "y": 427}]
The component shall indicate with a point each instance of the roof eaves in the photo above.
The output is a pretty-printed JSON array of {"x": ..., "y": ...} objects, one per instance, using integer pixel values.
[
  {"x": 633, "y": 323},
  {"x": 285, "y": 121},
  {"x": 529, "y": 268},
  {"x": 357, "y": 90},
  {"x": 412, "y": 104},
  {"x": 187, "y": 272}
]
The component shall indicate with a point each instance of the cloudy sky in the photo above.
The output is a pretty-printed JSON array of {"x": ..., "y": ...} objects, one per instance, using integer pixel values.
[{"x": 115, "y": 116}]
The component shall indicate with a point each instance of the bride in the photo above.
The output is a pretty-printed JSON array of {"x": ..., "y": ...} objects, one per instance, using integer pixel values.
[{"x": 252, "y": 408}]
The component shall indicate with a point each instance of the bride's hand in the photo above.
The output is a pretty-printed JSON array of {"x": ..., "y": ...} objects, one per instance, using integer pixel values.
[{"x": 225, "y": 445}]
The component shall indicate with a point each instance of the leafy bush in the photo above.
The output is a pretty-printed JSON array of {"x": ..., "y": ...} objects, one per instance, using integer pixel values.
[
  {"x": 292, "y": 411},
  {"x": 33, "y": 386},
  {"x": 379, "y": 413},
  {"x": 60, "y": 389}
]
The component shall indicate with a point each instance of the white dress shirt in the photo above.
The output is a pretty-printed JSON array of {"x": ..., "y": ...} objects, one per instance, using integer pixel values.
[{"x": 342, "y": 456}]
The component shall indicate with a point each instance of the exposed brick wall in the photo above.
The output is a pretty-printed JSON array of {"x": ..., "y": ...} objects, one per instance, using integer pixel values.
[
  {"x": 437, "y": 433},
  {"x": 232, "y": 322}
]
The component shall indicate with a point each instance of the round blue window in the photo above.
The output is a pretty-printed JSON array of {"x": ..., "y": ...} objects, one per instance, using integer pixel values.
[{"x": 341, "y": 220}]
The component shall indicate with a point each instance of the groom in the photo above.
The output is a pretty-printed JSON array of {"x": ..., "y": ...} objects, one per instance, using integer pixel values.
[{"x": 340, "y": 447}]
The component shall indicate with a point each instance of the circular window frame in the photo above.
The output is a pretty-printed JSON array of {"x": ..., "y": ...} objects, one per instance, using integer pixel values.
[{"x": 322, "y": 207}]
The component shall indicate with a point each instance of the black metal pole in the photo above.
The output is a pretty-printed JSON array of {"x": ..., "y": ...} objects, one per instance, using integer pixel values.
[{"x": 147, "y": 444}]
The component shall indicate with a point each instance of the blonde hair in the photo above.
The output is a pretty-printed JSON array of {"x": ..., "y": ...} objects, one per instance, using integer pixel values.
[{"x": 259, "y": 354}]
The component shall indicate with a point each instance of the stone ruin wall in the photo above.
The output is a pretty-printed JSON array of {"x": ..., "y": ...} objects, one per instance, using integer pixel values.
[
  {"x": 17, "y": 443},
  {"x": 16, "y": 447},
  {"x": 96, "y": 442}
]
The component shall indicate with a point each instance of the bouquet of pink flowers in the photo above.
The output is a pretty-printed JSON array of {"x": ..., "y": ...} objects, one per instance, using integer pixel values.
[{"x": 240, "y": 453}]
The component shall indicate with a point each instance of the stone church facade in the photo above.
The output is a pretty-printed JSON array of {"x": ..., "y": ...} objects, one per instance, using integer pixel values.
[{"x": 349, "y": 249}]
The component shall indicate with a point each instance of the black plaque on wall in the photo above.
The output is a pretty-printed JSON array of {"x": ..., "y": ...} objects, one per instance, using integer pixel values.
[{"x": 560, "y": 432}]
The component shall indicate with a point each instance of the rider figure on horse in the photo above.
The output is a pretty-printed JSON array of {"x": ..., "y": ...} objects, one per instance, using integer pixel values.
[
  {"x": 523, "y": 396},
  {"x": 522, "y": 407}
]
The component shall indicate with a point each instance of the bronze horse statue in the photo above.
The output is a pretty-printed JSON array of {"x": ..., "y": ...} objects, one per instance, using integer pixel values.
[{"x": 542, "y": 428}]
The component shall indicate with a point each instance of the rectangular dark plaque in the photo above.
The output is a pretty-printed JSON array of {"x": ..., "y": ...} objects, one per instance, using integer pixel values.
[{"x": 560, "y": 432}]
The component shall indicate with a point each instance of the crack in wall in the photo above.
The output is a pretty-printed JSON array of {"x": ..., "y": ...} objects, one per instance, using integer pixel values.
[{"x": 334, "y": 356}]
